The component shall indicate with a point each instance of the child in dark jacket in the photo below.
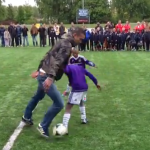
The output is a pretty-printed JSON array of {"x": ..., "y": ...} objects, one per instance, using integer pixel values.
[
  {"x": 114, "y": 39},
  {"x": 92, "y": 40}
]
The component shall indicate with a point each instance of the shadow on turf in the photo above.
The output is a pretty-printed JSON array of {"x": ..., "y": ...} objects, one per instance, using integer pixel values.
[{"x": 54, "y": 139}]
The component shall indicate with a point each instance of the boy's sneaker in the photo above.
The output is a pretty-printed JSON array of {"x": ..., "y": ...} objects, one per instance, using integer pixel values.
[
  {"x": 65, "y": 93},
  {"x": 84, "y": 121},
  {"x": 27, "y": 121},
  {"x": 67, "y": 133},
  {"x": 42, "y": 131}
]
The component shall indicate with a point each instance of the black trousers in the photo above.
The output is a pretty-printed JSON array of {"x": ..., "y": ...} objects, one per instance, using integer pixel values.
[
  {"x": 118, "y": 46},
  {"x": 83, "y": 46},
  {"x": 123, "y": 45},
  {"x": 14, "y": 39},
  {"x": 53, "y": 42},
  {"x": 87, "y": 44},
  {"x": 42, "y": 41},
  {"x": 147, "y": 45},
  {"x": 91, "y": 45}
]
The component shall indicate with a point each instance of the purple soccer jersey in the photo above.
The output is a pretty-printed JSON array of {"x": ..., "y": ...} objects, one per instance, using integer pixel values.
[{"x": 76, "y": 75}]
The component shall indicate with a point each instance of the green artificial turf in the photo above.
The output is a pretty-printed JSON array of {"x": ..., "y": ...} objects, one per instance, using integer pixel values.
[{"x": 119, "y": 114}]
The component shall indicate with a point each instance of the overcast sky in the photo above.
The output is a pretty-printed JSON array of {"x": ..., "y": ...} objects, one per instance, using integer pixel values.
[{"x": 19, "y": 2}]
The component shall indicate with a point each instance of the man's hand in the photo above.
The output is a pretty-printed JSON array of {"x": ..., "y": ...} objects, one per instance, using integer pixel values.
[
  {"x": 34, "y": 74},
  {"x": 98, "y": 87},
  {"x": 47, "y": 83}
]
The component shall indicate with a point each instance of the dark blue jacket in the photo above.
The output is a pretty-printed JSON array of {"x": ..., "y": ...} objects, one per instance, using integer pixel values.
[
  {"x": 138, "y": 37},
  {"x": 2, "y": 30},
  {"x": 19, "y": 30},
  {"x": 113, "y": 37},
  {"x": 123, "y": 36},
  {"x": 87, "y": 35}
]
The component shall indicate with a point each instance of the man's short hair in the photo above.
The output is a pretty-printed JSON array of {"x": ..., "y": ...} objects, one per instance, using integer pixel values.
[{"x": 78, "y": 30}]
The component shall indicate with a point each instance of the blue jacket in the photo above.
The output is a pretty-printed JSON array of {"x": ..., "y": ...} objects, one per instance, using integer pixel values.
[
  {"x": 2, "y": 30},
  {"x": 87, "y": 35},
  {"x": 19, "y": 30},
  {"x": 123, "y": 36}
]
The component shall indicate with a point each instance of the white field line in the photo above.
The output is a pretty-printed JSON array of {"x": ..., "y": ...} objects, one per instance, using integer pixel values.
[{"x": 14, "y": 136}]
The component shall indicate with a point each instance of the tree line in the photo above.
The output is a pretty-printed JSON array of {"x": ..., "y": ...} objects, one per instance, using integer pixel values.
[
  {"x": 65, "y": 11},
  {"x": 22, "y": 14}
]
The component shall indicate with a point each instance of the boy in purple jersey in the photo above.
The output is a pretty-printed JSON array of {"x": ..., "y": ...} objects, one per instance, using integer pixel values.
[
  {"x": 82, "y": 61},
  {"x": 76, "y": 75}
]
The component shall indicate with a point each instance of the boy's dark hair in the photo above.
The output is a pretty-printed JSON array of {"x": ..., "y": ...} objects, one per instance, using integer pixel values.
[{"x": 78, "y": 31}]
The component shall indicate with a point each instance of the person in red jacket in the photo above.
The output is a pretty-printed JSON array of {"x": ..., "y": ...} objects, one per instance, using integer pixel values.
[
  {"x": 143, "y": 25},
  {"x": 127, "y": 27},
  {"x": 138, "y": 27},
  {"x": 119, "y": 26}
]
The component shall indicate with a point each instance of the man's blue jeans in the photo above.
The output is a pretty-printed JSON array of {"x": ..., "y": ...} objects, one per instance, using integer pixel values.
[
  {"x": 25, "y": 38},
  {"x": 53, "y": 93}
]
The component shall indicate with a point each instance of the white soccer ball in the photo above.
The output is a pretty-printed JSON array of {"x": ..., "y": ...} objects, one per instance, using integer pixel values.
[{"x": 59, "y": 130}]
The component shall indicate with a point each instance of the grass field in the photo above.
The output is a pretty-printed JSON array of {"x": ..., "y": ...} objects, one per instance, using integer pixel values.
[{"x": 119, "y": 115}]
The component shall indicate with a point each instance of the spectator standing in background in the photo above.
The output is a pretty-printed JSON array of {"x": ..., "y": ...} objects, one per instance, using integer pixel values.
[
  {"x": 87, "y": 38},
  {"x": 147, "y": 38},
  {"x": 42, "y": 35},
  {"x": 99, "y": 26},
  {"x": 56, "y": 28},
  {"x": 138, "y": 27},
  {"x": 34, "y": 33},
  {"x": 92, "y": 40},
  {"x": 7, "y": 38},
  {"x": 61, "y": 30},
  {"x": 127, "y": 27},
  {"x": 49, "y": 30},
  {"x": 123, "y": 39},
  {"x": 19, "y": 32},
  {"x": 2, "y": 30},
  {"x": 119, "y": 26},
  {"x": 25, "y": 35},
  {"x": 108, "y": 25},
  {"x": 10, "y": 28},
  {"x": 52, "y": 36},
  {"x": 46, "y": 33},
  {"x": 72, "y": 27},
  {"x": 14, "y": 36}
]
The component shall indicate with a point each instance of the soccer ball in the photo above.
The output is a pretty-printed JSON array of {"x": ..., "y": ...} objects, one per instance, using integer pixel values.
[{"x": 59, "y": 130}]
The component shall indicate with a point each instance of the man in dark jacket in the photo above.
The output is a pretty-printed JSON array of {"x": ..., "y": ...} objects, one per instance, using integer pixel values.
[
  {"x": 42, "y": 35},
  {"x": 146, "y": 38},
  {"x": 25, "y": 35},
  {"x": 10, "y": 28},
  {"x": 2, "y": 30},
  {"x": 14, "y": 35},
  {"x": 52, "y": 36},
  {"x": 49, "y": 70},
  {"x": 61, "y": 30},
  {"x": 19, "y": 32}
]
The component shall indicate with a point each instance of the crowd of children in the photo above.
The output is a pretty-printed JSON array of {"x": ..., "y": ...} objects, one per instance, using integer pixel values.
[{"x": 119, "y": 37}]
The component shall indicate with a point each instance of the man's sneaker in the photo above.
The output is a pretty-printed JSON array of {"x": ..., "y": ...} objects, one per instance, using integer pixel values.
[
  {"x": 42, "y": 131},
  {"x": 27, "y": 121},
  {"x": 84, "y": 121}
]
